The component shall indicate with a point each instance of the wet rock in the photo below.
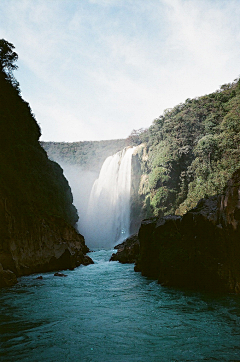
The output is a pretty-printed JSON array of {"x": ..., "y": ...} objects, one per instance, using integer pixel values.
[
  {"x": 128, "y": 251},
  {"x": 7, "y": 277},
  {"x": 87, "y": 260},
  {"x": 57, "y": 274},
  {"x": 40, "y": 277}
]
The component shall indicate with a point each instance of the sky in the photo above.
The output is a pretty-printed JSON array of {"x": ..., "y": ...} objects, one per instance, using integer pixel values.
[{"x": 97, "y": 69}]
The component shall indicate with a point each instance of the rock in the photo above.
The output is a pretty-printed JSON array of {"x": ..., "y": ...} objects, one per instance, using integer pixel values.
[
  {"x": 30, "y": 243},
  {"x": 57, "y": 274},
  {"x": 40, "y": 277},
  {"x": 87, "y": 260},
  {"x": 128, "y": 251},
  {"x": 37, "y": 215},
  {"x": 230, "y": 202},
  {"x": 201, "y": 249},
  {"x": 7, "y": 277}
]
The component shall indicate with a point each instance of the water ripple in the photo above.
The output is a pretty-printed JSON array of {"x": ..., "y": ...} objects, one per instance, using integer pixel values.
[{"x": 107, "y": 312}]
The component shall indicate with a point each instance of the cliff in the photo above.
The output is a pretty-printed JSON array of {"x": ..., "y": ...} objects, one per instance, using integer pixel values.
[
  {"x": 89, "y": 155},
  {"x": 189, "y": 152},
  {"x": 37, "y": 216},
  {"x": 199, "y": 250},
  {"x": 33, "y": 243}
]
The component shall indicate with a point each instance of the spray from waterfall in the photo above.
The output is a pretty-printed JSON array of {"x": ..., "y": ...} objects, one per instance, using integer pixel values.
[{"x": 107, "y": 220}]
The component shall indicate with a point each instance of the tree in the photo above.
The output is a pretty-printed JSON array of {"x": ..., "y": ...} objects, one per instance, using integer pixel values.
[
  {"x": 207, "y": 148},
  {"x": 135, "y": 137},
  {"x": 7, "y": 59},
  {"x": 7, "y": 56}
]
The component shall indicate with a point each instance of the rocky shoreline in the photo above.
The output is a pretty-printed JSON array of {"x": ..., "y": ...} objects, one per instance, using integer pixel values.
[
  {"x": 33, "y": 244},
  {"x": 199, "y": 250}
]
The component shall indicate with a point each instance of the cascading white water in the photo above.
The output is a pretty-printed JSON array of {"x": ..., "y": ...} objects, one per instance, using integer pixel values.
[{"x": 108, "y": 214}]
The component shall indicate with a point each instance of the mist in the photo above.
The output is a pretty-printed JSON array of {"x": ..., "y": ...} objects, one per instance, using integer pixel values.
[
  {"x": 81, "y": 182},
  {"x": 102, "y": 200},
  {"x": 109, "y": 204}
]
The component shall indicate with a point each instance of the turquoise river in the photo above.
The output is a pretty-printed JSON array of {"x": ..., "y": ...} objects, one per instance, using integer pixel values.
[{"x": 108, "y": 313}]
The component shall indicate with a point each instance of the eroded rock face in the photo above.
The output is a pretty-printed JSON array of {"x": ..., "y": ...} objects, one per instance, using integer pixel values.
[
  {"x": 30, "y": 243},
  {"x": 199, "y": 250},
  {"x": 230, "y": 202},
  {"x": 194, "y": 251}
]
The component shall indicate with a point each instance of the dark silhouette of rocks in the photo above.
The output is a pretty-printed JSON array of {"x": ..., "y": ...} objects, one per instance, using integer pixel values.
[
  {"x": 7, "y": 277},
  {"x": 37, "y": 215},
  {"x": 199, "y": 250},
  {"x": 128, "y": 251}
]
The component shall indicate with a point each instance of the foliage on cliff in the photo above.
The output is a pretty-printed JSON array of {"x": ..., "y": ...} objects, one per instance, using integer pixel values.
[
  {"x": 27, "y": 176},
  {"x": 192, "y": 150},
  {"x": 90, "y": 155}
]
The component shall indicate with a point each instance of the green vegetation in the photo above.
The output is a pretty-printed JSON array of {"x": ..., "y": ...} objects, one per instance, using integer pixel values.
[
  {"x": 90, "y": 155},
  {"x": 7, "y": 62},
  {"x": 27, "y": 178},
  {"x": 192, "y": 150}
]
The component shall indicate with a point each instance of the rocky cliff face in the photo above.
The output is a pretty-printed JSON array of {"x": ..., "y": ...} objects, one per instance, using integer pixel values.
[
  {"x": 139, "y": 188},
  {"x": 199, "y": 250},
  {"x": 30, "y": 243},
  {"x": 229, "y": 212},
  {"x": 37, "y": 216},
  {"x": 89, "y": 155}
]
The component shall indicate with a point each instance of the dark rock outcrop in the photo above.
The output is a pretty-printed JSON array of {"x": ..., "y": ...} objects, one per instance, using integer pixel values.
[
  {"x": 37, "y": 215},
  {"x": 229, "y": 213},
  {"x": 7, "y": 277},
  {"x": 30, "y": 243},
  {"x": 199, "y": 250},
  {"x": 128, "y": 251}
]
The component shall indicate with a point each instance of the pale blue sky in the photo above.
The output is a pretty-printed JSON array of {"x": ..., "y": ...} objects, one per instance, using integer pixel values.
[{"x": 97, "y": 69}]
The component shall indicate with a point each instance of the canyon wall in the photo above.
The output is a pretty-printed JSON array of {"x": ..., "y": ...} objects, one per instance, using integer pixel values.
[
  {"x": 34, "y": 243},
  {"x": 37, "y": 215},
  {"x": 199, "y": 250},
  {"x": 87, "y": 155}
]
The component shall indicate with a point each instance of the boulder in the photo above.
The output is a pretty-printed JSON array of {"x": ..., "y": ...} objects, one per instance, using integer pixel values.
[
  {"x": 128, "y": 251},
  {"x": 57, "y": 274},
  {"x": 7, "y": 277}
]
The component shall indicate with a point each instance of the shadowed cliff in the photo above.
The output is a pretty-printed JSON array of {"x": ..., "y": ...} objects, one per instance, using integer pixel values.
[
  {"x": 199, "y": 250},
  {"x": 37, "y": 216}
]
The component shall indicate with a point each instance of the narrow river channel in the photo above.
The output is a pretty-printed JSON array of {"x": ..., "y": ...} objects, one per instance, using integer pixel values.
[{"x": 108, "y": 313}]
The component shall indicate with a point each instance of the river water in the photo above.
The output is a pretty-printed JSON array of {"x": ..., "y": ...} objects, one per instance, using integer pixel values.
[{"x": 107, "y": 312}]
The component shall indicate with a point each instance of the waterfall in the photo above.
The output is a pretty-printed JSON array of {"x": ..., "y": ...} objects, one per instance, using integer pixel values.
[{"x": 108, "y": 214}]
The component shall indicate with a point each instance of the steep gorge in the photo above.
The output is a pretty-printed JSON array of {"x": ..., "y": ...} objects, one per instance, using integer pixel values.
[{"x": 37, "y": 215}]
